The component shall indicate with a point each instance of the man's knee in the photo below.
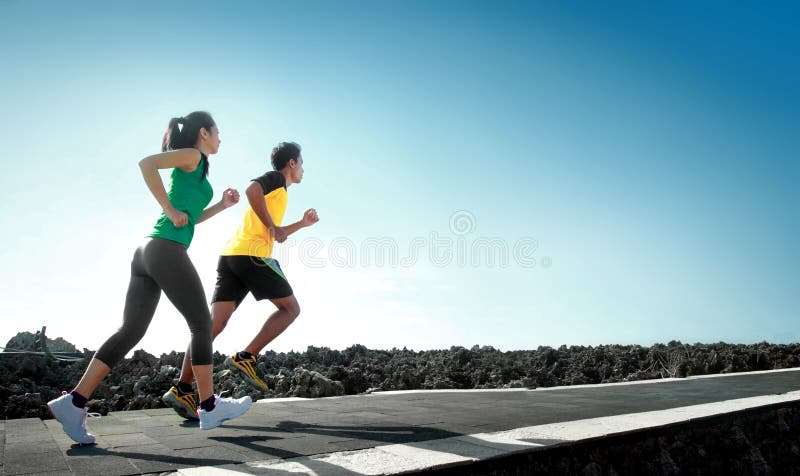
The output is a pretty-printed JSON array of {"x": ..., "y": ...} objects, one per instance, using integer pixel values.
[
  {"x": 221, "y": 312},
  {"x": 217, "y": 329},
  {"x": 288, "y": 305},
  {"x": 293, "y": 309},
  {"x": 219, "y": 325}
]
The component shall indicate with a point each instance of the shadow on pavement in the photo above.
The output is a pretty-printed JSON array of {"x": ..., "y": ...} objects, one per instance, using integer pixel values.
[
  {"x": 78, "y": 450},
  {"x": 387, "y": 434},
  {"x": 369, "y": 434},
  {"x": 252, "y": 444}
]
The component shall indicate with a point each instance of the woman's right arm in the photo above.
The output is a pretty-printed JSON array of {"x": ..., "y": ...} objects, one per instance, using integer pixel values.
[{"x": 184, "y": 159}]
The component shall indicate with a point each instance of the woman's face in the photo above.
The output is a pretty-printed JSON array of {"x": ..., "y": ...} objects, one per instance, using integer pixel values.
[{"x": 211, "y": 138}]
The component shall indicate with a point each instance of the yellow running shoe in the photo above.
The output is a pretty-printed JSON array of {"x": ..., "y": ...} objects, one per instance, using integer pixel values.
[
  {"x": 247, "y": 367},
  {"x": 184, "y": 404}
]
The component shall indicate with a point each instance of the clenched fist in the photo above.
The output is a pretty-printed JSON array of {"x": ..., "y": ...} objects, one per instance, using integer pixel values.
[{"x": 310, "y": 217}]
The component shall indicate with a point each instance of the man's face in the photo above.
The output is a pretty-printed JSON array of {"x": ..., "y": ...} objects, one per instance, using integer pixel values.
[{"x": 297, "y": 170}]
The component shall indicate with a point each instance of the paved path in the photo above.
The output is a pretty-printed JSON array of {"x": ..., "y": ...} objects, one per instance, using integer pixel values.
[{"x": 358, "y": 434}]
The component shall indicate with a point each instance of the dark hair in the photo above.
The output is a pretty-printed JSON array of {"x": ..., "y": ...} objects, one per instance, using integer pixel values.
[
  {"x": 283, "y": 153},
  {"x": 185, "y": 137}
]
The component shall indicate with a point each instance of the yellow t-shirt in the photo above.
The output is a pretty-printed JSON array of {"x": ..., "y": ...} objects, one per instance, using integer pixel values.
[{"x": 252, "y": 238}]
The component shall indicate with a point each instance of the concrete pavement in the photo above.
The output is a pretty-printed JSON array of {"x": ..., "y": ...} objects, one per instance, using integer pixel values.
[{"x": 382, "y": 433}]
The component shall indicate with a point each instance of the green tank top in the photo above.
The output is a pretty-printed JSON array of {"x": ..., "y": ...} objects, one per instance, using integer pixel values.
[{"x": 189, "y": 192}]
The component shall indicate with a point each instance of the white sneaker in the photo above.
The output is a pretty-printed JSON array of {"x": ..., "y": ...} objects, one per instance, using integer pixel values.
[
  {"x": 72, "y": 418},
  {"x": 225, "y": 409}
]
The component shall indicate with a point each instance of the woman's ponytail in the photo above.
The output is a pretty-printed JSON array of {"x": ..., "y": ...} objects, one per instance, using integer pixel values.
[{"x": 172, "y": 135}]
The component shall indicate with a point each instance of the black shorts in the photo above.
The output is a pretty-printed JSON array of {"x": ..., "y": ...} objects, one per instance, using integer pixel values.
[{"x": 239, "y": 275}]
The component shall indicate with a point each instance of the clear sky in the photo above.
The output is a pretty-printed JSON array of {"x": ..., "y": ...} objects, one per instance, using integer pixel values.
[{"x": 547, "y": 172}]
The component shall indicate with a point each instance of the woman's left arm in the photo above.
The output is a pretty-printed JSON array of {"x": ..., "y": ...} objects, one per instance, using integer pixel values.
[{"x": 230, "y": 197}]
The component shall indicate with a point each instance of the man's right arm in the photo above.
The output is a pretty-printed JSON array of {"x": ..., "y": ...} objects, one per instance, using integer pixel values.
[{"x": 255, "y": 196}]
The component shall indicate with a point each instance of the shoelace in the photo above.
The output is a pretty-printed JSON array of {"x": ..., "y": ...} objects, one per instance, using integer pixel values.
[{"x": 85, "y": 414}]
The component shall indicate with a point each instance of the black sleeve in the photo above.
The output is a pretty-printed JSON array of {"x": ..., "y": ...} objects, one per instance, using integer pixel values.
[{"x": 271, "y": 181}]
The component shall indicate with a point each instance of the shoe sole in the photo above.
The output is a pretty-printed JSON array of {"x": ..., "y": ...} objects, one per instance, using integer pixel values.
[
  {"x": 180, "y": 408},
  {"x": 232, "y": 366}
]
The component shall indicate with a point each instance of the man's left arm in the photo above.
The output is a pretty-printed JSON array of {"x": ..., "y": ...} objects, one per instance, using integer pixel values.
[{"x": 309, "y": 218}]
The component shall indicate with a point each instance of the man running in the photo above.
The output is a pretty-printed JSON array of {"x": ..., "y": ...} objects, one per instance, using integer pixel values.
[{"x": 246, "y": 266}]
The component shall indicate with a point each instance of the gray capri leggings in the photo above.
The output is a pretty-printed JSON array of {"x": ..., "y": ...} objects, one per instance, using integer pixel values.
[{"x": 160, "y": 265}]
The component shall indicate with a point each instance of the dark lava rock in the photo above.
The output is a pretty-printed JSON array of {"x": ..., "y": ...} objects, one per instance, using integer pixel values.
[{"x": 27, "y": 382}]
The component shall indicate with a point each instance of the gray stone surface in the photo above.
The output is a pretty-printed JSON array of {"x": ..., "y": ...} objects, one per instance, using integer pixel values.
[
  {"x": 22, "y": 463},
  {"x": 101, "y": 465},
  {"x": 158, "y": 441},
  {"x": 62, "y": 472}
]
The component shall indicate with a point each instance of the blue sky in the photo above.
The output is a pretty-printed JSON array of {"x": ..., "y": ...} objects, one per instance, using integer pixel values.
[{"x": 650, "y": 151}]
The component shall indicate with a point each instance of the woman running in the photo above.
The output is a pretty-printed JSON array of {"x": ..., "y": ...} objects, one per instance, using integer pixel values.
[{"x": 162, "y": 264}]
